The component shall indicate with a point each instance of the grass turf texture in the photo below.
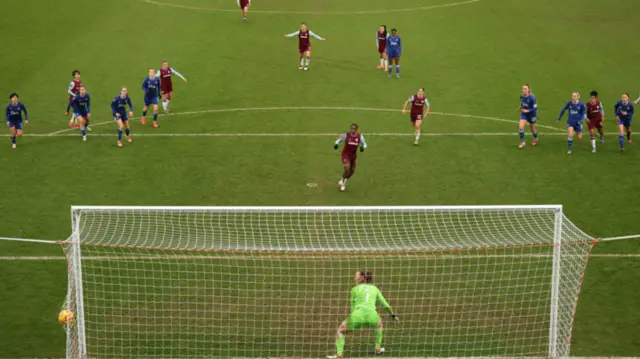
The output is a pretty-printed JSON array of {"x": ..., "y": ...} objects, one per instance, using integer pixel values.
[{"x": 471, "y": 58}]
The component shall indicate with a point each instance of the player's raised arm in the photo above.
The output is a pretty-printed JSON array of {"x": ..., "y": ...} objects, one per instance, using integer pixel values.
[
  {"x": 70, "y": 89},
  {"x": 637, "y": 100},
  {"x": 292, "y": 34},
  {"x": 363, "y": 143},
  {"x": 340, "y": 140},
  {"x": 565, "y": 108},
  {"x": 315, "y": 35},
  {"x": 174, "y": 72}
]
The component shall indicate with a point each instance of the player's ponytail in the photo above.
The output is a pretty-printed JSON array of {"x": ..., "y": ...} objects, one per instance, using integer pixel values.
[
  {"x": 385, "y": 30},
  {"x": 368, "y": 276}
]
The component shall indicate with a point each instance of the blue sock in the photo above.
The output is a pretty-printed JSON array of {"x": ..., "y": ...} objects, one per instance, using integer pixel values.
[
  {"x": 119, "y": 134},
  {"x": 155, "y": 116},
  {"x": 127, "y": 131},
  {"x": 621, "y": 140},
  {"x": 84, "y": 131},
  {"x": 398, "y": 69},
  {"x": 570, "y": 141},
  {"x": 13, "y": 139},
  {"x": 521, "y": 133},
  {"x": 535, "y": 134},
  {"x": 390, "y": 69},
  {"x": 144, "y": 113}
]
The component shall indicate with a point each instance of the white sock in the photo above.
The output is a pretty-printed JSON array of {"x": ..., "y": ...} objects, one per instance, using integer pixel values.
[
  {"x": 417, "y": 136},
  {"x": 381, "y": 62},
  {"x": 165, "y": 104},
  {"x": 302, "y": 61},
  {"x": 593, "y": 143},
  {"x": 386, "y": 63},
  {"x": 308, "y": 61}
]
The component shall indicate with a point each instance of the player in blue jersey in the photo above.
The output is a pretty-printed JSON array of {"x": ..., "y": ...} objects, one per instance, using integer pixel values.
[
  {"x": 13, "y": 117},
  {"x": 624, "y": 113},
  {"x": 528, "y": 114},
  {"x": 81, "y": 110},
  {"x": 151, "y": 88},
  {"x": 394, "y": 51},
  {"x": 119, "y": 110},
  {"x": 577, "y": 113}
]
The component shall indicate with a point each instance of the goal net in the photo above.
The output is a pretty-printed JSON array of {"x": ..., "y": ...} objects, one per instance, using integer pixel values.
[{"x": 274, "y": 282}]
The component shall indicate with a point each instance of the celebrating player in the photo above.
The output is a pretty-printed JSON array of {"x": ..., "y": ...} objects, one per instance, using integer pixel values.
[
  {"x": 304, "y": 44},
  {"x": 119, "y": 109},
  {"x": 81, "y": 110},
  {"x": 394, "y": 51},
  {"x": 166, "y": 83},
  {"x": 528, "y": 114},
  {"x": 381, "y": 45},
  {"x": 244, "y": 6},
  {"x": 419, "y": 111},
  {"x": 624, "y": 113},
  {"x": 364, "y": 297},
  {"x": 577, "y": 113},
  {"x": 13, "y": 116},
  {"x": 353, "y": 139},
  {"x": 73, "y": 90},
  {"x": 151, "y": 88},
  {"x": 595, "y": 117}
]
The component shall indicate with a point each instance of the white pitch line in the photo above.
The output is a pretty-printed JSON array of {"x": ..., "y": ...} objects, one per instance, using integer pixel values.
[
  {"x": 381, "y": 134},
  {"x": 431, "y": 7},
  {"x": 216, "y": 256},
  {"x": 312, "y": 108}
]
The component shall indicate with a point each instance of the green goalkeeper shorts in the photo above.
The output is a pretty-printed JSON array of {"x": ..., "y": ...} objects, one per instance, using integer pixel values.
[{"x": 363, "y": 319}]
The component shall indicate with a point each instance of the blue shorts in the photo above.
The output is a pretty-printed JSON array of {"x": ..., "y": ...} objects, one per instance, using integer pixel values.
[
  {"x": 151, "y": 100},
  {"x": 17, "y": 125},
  {"x": 576, "y": 126},
  {"x": 81, "y": 114},
  {"x": 529, "y": 118},
  {"x": 123, "y": 117},
  {"x": 393, "y": 54},
  {"x": 625, "y": 122}
]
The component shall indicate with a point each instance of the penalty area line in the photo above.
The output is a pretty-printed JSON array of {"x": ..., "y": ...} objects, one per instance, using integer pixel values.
[
  {"x": 309, "y": 108},
  {"x": 327, "y": 134}
]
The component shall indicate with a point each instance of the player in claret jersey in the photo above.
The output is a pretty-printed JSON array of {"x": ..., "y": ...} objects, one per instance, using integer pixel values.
[
  {"x": 304, "y": 44},
  {"x": 577, "y": 113},
  {"x": 73, "y": 90},
  {"x": 381, "y": 45},
  {"x": 624, "y": 114},
  {"x": 364, "y": 299},
  {"x": 244, "y": 6},
  {"x": 419, "y": 111},
  {"x": 352, "y": 141},
  {"x": 81, "y": 109},
  {"x": 151, "y": 88},
  {"x": 166, "y": 84},
  {"x": 528, "y": 114},
  {"x": 13, "y": 117},
  {"x": 595, "y": 117}
]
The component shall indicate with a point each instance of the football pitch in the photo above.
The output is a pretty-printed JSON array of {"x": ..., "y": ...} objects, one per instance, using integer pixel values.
[{"x": 249, "y": 128}]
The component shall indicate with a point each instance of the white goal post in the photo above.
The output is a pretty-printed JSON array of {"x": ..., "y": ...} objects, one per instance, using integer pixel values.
[{"x": 274, "y": 282}]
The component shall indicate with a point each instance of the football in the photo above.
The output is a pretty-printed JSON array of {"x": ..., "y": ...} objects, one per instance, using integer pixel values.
[{"x": 65, "y": 317}]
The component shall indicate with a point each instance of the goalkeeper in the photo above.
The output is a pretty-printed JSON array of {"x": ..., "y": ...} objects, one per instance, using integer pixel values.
[{"x": 364, "y": 297}]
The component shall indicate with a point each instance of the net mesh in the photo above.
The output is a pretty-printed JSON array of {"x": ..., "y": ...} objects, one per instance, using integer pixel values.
[{"x": 172, "y": 283}]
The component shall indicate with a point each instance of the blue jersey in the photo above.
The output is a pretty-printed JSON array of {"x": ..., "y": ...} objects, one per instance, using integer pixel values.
[
  {"x": 14, "y": 113},
  {"x": 151, "y": 87},
  {"x": 119, "y": 105},
  {"x": 577, "y": 112},
  {"x": 81, "y": 104},
  {"x": 620, "y": 108},
  {"x": 528, "y": 103},
  {"x": 394, "y": 45}
]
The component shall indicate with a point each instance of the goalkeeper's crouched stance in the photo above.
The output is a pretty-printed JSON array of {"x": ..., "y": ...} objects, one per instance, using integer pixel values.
[{"x": 364, "y": 297}]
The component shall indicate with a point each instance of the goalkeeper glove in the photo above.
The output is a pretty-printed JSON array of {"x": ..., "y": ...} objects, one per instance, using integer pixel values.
[
  {"x": 335, "y": 147},
  {"x": 361, "y": 149},
  {"x": 395, "y": 318}
]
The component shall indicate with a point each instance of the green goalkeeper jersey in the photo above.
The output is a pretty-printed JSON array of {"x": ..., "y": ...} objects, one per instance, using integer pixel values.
[{"x": 365, "y": 296}]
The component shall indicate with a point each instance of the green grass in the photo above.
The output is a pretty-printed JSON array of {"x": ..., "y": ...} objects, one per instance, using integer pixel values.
[{"x": 472, "y": 59}]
